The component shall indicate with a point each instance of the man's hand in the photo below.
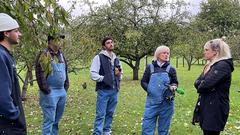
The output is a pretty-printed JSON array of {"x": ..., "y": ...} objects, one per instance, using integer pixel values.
[{"x": 118, "y": 72}]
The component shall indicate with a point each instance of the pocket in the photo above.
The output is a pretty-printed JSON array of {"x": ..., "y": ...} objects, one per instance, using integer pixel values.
[
  {"x": 46, "y": 100},
  {"x": 106, "y": 79}
]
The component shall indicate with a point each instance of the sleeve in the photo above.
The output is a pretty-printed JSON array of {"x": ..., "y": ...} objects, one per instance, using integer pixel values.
[
  {"x": 146, "y": 77},
  {"x": 173, "y": 77},
  {"x": 66, "y": 83},
  {"x": 215, "y": 75},
  {"x": 198, "y": 81},
  {"x": 7, "y": 108},
  {"x": 41, "y": 80},
  {"x": 94, "y": 70},
  {"x": 121, "y": 70}
]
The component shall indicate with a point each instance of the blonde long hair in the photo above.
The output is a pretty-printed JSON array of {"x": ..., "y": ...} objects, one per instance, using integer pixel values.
[{"x": 222, "y": 49}]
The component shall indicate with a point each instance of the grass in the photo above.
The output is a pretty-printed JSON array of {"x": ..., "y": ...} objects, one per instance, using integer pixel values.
[{"x": 80, "y": 109}]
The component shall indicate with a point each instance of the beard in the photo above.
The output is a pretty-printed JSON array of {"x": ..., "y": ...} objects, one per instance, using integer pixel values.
[
  {"x": 111, "y": 48},
  {"x": 55, "y": 47},
  {"x": 12, "y": 41}
]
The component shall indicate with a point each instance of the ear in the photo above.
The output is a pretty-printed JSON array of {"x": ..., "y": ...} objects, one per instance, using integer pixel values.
[{"x": 6, "y": 33}]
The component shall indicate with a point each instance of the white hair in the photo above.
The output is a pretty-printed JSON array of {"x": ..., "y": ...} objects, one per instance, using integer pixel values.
[{"x": 159, "y": 50}]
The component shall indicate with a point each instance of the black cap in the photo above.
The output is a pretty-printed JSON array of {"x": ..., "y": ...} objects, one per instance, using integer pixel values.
[{"x": 50, "y": 37}]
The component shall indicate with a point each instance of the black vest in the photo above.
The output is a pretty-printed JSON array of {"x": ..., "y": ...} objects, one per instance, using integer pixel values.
[{"x": 107, "y": 71}]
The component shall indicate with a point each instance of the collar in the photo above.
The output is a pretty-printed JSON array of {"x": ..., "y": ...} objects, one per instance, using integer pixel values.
[
  {"x": 160, "y": 64},
  {"x": 52, "y": 52},
  {"x": 4, "y": 48},
  {"x": 104, "y": 52}
]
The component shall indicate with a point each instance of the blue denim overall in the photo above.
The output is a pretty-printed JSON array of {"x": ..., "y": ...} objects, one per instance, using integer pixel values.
[
  {"x": 105, "y": 107},
  {"x": 158, "y": 104},
  {"x": 53, "y": 104}
]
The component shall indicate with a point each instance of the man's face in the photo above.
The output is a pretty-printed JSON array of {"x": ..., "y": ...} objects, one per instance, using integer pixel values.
[
  {"x": 56, "y": 43},
  {"x": 13, "y": 36},
  {"x": 109, "y": 45}
]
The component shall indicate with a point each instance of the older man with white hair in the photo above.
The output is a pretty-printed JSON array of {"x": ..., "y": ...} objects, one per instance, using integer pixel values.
[{"x": 12, "y": 119}]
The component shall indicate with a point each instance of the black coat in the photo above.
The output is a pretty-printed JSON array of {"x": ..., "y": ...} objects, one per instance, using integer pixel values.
[
  {"x": 12, "y": 119},
  {"x": 213, "y": 89}
]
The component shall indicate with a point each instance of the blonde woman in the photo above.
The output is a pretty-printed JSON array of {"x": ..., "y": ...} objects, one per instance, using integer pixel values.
[
  {"x": 160, "y": 82},
  {"x": 213, "y": 87}
]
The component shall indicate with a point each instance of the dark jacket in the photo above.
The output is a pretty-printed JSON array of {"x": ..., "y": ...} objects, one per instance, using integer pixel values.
[
  {"x": 41, "y": 79},
  {"x": 213, "y": 89},
  {"x": 147, "y": 74},
  {"x": 11, "y": 110},
  {"x": 107, "y": 71}
]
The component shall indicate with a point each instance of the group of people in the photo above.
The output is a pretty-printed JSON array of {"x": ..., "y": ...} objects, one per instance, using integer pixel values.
[
  {"x": 51, "y": 75},
  {"x": 159, "y": 81}
]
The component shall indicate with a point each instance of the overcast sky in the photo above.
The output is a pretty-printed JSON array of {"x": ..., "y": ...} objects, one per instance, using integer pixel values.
[{"x": 194, "y": 6}]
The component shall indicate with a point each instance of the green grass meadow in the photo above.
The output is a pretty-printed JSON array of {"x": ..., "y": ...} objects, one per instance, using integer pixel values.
[{"x": 80, "y": 109}]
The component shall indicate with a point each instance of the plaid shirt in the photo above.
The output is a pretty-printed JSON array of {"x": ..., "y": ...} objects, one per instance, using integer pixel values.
[{"x": 41, "y": 80}]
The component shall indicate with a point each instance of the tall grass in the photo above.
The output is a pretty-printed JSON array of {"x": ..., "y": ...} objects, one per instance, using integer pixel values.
[{"x": 80, "y": 109}]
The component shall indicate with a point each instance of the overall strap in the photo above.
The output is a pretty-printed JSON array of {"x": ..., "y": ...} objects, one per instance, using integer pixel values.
[
  {"x": 168, "y": 68},
  {"x": 61, "y": 57},
  {"x": 151, "y": 68}
]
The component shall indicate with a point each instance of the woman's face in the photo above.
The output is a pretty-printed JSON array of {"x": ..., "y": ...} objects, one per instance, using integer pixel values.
[
  {"x": 209, "y": 54},
  {"x": 164, "y": 55}
]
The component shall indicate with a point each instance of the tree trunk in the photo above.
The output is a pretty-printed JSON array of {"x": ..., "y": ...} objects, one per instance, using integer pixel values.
[
  {"x": 31, "y": 77},
  {"x": 189, "y": 62},
  {"x": 135, "y": 70},
  {"x": 135, "y": 73},
  {"x": 25, "y": 84},
  {"x": 183, "y": 61},
  {"x": 177, "y": 62},
  {"x": 146, "y": 61}
]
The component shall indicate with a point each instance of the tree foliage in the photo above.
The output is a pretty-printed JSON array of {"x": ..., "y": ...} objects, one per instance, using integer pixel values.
[
  {"x": 37, "y": 19},
  {"x": 189, "y": 44},
  {"x": 137, "y": 27},
  {"x": 221, "y": 17},
  {"x": 82, "y": 45}
]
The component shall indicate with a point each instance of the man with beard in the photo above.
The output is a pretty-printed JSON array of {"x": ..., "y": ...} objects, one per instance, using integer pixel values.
[
  {"x": 106, "y": 70},
  {"x": 52, "y": 79},
  {"x": 12, "y": 119}
]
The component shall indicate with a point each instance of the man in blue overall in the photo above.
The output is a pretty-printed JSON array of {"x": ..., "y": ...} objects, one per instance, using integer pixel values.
[
  {"x": 12, "y": 119},
  {"x": 107, "y": 72},
  {"x": 52, "y": 79}
]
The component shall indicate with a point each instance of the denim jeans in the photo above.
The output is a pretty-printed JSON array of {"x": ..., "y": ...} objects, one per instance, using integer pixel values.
[
  {"x": 52, "y": 107},
  {"x": 162, "y": 112},
  {"x": 105, "y": 107}
]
